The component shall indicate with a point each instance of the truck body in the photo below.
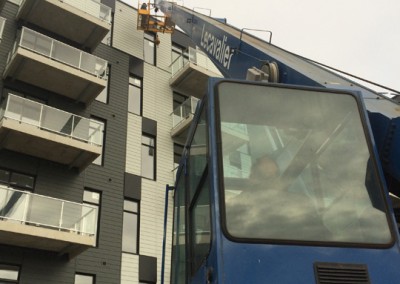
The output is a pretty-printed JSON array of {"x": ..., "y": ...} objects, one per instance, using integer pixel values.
[{"x": 293, "y": 179}]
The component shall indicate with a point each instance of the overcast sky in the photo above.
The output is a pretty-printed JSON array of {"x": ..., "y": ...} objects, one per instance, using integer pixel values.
[{"x": 361, "y": 37}]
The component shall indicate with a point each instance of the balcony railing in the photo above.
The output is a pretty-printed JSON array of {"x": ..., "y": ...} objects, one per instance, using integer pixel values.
[
  {"x": 52, "y": 119},
  {"x": 42, "y": 211},
  {"x": 183, "y": 111},
  {"x": 196, "y": 57},
  {"x": 91, "y": 7},
  {"x": 60, "y": 52}
]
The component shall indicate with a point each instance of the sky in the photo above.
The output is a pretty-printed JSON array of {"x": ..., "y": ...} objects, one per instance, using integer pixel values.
[{"x": 361, "y": 37}]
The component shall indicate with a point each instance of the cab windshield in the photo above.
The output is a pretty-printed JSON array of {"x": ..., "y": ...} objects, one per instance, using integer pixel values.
[{"x": 297, "y": 167}]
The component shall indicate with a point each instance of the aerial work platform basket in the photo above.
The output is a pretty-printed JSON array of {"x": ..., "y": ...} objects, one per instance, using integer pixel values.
[{"x": 151, "y": 20}]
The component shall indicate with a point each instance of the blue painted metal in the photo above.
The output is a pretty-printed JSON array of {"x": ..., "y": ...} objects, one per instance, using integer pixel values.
[
  {"x": 231, "y": 262},
  {"x": 167, "y": 190}
]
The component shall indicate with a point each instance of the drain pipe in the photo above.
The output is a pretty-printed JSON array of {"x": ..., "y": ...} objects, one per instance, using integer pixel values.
[{"x": 167, "y": 189}]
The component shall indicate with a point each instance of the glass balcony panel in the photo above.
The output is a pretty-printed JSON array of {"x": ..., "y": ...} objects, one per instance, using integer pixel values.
[
  {"x": 44, "y": 211},
  {"x": 70, "y": 217},
  {"x": 13, "y": 204},
  {"x": 14, "y": 107},
  {"x": 81, "y": 127},
  {"x": 55, "y": 120},
  {"x": 66, "y": 54},
  {"x": 182, "y": 112},
  {"x": 36, "y": 42},
  {"x": 37, "y": 210},
  {"x": 31, "y": 113},
  {"x": 63, "y": 53}
]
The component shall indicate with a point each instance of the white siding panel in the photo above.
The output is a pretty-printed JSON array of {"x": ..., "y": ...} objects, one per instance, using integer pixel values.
[
  {"x": 133, "y": 144},
  {"x": 125, "y": 36},
  {"x": 129, "y": 268},
  {"x": 157, "y": 105},
  {"x": 164, "y": 52}
]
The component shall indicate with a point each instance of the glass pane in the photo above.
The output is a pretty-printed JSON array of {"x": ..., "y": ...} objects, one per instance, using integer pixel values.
[
  {"x": 91, "y": 197},
  {"x": 198, "y": 152},
  {"x": 305, "y": 168},
  {"x": 149, "y": 51},
  {"x": 134, "y": 100},
  {"x": 148, "y": 157},
  {"x": 178, "y": 244},
  {"x": 148, "y": 162},
  {"x": 201, "y": 234},
  {"x": 129, "y": 233},
  {"x": 22, "y": 180},
  {"x": 131, "y": 206},
  {"x": 83, "y": 279},
  {"x": 8, "y": 272}
]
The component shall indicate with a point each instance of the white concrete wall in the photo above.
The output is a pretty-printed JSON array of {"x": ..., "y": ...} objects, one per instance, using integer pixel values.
[{"x": 157, "y": 105}]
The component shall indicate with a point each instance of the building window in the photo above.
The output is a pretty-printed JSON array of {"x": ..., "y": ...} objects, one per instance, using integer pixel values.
[
  {"x": 149, "y": 48},
  {"x": 148, "y": 157},
  {"x": 92, "y": 198},
  {"x": 178, "y": 100},
  {"x": 135, "y": 95},
  {"x": 84, "y": 279},
  {"x": 130, "y": 231},
  {"x": 103, "y": 96},
  {"x": 182, "y": 54},
  {"x": 9, "y": 273},
  {"x": 17, "y": 180},
  {"x": 97, "y": 135},
  {"x": 178, "y": 149}
]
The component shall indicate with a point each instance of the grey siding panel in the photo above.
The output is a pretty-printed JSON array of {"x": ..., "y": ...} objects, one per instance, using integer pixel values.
[{"x": 58, "y": 181}]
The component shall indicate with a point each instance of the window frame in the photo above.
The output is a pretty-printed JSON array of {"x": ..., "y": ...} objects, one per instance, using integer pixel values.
[
  {"x": 101, "y": 120},
  {"x": 149, "y": 38},
  {"x": 154, "y": 178},
  {"x": 14, "y": 185},
  {"x": 107, "y": 88},
  {"x": 10, "y": 267},
  {"x": 140, "y": 87},
  {"x": 98, "y": 206},
  {"x": 93, "y": 276},
  {"x": 137, "y": 214}
]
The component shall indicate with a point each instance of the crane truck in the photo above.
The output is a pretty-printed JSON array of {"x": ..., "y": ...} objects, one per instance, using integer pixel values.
[{"x": 290, "y": 176}]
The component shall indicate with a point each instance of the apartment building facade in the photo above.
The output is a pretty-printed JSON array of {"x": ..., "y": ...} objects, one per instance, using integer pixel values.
[{"x": 92, "y": 121}]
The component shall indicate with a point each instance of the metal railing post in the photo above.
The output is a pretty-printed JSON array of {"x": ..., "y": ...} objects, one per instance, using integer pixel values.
[{"x": 61, "y": 215}]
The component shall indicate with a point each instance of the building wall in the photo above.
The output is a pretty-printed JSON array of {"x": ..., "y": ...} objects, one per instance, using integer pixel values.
[
  {"x": 122, "y": 155},
  {"x": 157, "y": 106}
]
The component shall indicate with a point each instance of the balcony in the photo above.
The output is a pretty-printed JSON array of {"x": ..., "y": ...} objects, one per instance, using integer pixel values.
[
  {"x": 182, "y": 117},
  {"x": 49, "y": 64},
  {"x": 41, "y": 131},
  {"x": 190, "y": 75},
  {"x": 86, "y": 22},
  {"x": 40, "y": 222}
]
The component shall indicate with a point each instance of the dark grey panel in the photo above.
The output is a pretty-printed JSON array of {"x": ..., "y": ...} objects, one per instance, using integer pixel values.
[
  {"x": 182, "y": 39},
  {"x": 133, "y": 186},
  {"x": 136, "y": 66},
  {"x": 147, "y": 269},
  {"x": 149, "y": 126},
  {"x": 109, "y": 3}
]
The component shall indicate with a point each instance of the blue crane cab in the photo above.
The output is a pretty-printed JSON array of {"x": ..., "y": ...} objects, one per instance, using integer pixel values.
[{"x": 281, "y": 184}]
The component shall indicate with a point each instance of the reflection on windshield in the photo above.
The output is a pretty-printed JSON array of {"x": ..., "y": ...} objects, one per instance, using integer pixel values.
[{"x": 297, "y": 167}]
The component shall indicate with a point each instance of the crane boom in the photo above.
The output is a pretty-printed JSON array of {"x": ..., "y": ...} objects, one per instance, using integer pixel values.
[{"x": 235, "y": 51}]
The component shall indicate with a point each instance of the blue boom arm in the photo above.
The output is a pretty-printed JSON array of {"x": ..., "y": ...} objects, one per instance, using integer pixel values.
[{"x": 234, "y": 52}]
